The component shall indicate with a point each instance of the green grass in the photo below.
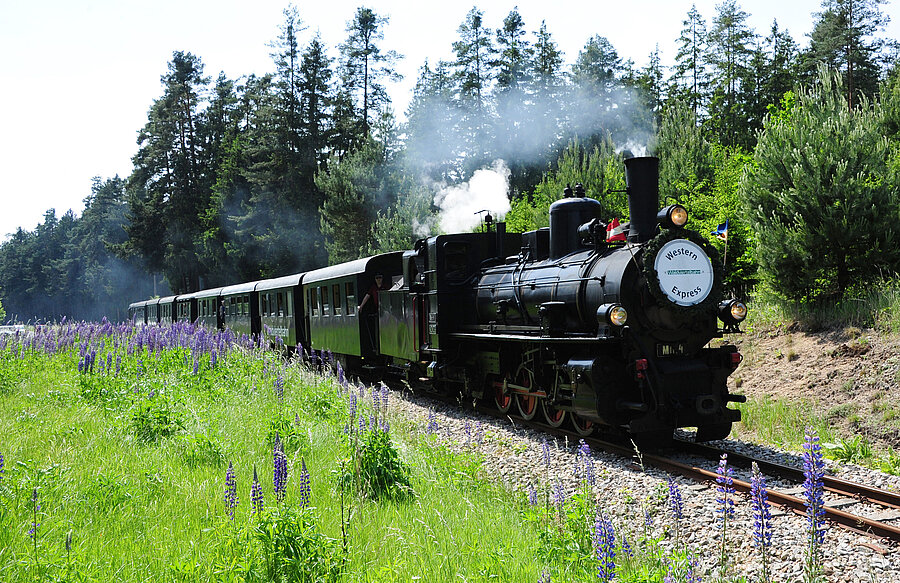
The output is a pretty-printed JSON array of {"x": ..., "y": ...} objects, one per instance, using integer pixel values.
[
  {"x": 133, "y": 467},
  {"x": 874, "y": 305}
]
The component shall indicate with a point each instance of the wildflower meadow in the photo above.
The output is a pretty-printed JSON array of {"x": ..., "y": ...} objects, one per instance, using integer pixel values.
[{"x": 175, "y": 453}]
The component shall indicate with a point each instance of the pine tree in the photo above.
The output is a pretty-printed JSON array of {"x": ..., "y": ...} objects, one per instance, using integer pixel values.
[
  {"x": 685, "y": 156},
  {"x": 473, "y": 69},
  {"x": 516, "y": 142},
  {"x": 170, "y": 185},
  {"x": 433, "y": 118},
  {"x": 353, "y": 188},
  {"x": 690, "y": 79},
  {"x": 366, "y": 66},
  {"x": 818, "y": 195},
  {"x": 729, "y": 54},
  {"x": 843, "y": 39}
]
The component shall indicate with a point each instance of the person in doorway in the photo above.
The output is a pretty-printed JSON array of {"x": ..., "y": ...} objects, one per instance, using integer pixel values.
[{"x": 371, "y": 297}]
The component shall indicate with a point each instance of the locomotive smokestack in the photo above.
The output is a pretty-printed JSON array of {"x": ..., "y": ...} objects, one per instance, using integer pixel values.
[{"x": 642, "y": 182}]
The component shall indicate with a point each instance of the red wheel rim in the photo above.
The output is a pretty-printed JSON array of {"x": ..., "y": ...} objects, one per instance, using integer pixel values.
[
  {"x": 582, "y": 426},
  {"x": 554, "y": 415},
  {"x": 528, "y": 404},
  {"x": 504, "y": 402}
]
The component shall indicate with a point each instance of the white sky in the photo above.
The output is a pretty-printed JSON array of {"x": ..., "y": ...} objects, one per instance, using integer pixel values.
[{"x": 78, "y": 77}]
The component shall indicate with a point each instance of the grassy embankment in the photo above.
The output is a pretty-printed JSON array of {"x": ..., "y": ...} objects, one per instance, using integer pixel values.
[
  {"x": 116, "y": 443},
  {"x": 782, "y": 421}
]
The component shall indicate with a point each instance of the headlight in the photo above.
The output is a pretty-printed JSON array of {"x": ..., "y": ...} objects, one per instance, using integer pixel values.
[
  {"x": 612, "y": 315},
  {"x": 672, "y": 216},
  {"x": 732, "y": 311}
]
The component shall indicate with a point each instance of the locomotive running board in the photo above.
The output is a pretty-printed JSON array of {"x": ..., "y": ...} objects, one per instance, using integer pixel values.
[{"x": 528, "y": 338}]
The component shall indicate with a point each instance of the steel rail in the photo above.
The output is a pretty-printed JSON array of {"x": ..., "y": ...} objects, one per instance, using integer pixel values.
[{"x": 831, "y": 483}]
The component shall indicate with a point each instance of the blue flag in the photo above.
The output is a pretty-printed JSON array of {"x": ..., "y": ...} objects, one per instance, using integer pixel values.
[{"x": 722, "y": 231}]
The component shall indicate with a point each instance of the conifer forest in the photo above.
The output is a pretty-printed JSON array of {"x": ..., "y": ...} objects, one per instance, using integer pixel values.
[{"x": 794, "y": 141}]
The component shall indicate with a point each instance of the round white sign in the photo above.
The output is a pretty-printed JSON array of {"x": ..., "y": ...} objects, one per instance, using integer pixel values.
[{"x": 685, "y": 272}]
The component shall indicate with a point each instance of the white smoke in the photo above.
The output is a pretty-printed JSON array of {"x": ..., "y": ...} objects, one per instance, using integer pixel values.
[
  {"x": 487, "y": 190},
  {"x": 636, "y": 148}
]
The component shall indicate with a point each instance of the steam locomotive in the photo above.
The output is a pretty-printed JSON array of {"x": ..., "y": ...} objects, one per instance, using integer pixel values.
[{"x": 558, "y": 322}]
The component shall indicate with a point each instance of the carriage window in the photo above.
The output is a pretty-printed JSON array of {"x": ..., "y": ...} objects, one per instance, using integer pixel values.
[
  {"x": 455, "y": 259},
  {"x": 336, "y": 296},
  {"x": 324, "y": 293},
  {"x": 349, "y": 291},
  {"x": 289, "y": 304},
  {"x": 314, "y": 301},
  {"x": 279, "y": 297}
]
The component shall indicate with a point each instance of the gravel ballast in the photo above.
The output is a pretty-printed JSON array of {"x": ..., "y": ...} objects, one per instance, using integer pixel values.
[{"x": 513, "y": 455}]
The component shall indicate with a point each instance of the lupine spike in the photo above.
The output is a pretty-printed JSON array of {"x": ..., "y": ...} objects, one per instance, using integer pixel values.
[
  {"x": 279, "y": 477},
  {"x": 814, "y": 471},
  {"x": 256, "y": 495},
  {"x": 605, "y": 547},
  {"x": 762, "y": 517},
  {"x": 305, "y": 489},
  {"x": 231, "y": 498}
]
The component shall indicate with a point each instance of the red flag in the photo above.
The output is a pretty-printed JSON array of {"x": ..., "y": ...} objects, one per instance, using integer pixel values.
[{"x": 614, "y": 231}]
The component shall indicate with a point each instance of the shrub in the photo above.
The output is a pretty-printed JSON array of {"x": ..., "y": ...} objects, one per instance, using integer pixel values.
[{"x": 376, "y": 470}]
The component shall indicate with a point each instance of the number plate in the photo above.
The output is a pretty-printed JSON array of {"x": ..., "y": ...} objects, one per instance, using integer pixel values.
[{"x": 670, "y": 349}]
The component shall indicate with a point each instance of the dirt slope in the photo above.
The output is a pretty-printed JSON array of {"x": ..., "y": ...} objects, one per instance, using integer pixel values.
[{"x": 850, "y": 375}]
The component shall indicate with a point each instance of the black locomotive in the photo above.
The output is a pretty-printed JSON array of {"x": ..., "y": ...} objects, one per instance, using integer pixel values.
[{"x": 557, "y": 322}]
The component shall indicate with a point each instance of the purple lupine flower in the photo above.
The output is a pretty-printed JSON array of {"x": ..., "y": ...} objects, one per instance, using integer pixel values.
[
  {"x": 432, "y": 426},
  {"x": 479, "y": 433},
  {"x": 545, "y": 577},
  {"x": 1, "y": 468},
  {"x": 559, "y": 496},
  {"x": 304, "y": 484},
  {"x": 692, "y": 570},
  {"x": 342, "y": 381},
  {"x": 231, "y": 498},
  {"x": 385, "y": 397},
  {"x": 279, "y": 386},
  {"x": 35, "y": 508},
  {"x": 676, "y": 506},
  {"x": 296, "y": 419},
  {"x": 626, "y": 548},
  {"x": 725, "y": 491},
  {"x": 467, "y": 428},
  {"x": 212, "y": 359},
  {"x": 279, "y": 477},
  {"x": 532, "y": 495},
  {"x": 814, "y": 471},
  {"x": 605, "y": 547},
  {"x": 762, "y": 517},
  {"x": 675, "y": 502},
  {"x": 376, "y": 401},
  {"x": 584, "y": 465},
  {"x": 256, "y": 495},
  {"x": 352, "y": 406}
]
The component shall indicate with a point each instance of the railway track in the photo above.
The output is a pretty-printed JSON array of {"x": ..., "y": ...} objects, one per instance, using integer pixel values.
[{"x": 845, "y": 493}]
